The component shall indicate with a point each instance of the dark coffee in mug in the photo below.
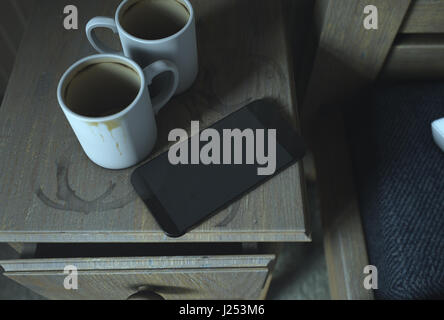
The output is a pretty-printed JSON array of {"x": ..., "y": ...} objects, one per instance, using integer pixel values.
[
  {"x": 102, "y": 89},
  {"x": 154, "y": 19}
]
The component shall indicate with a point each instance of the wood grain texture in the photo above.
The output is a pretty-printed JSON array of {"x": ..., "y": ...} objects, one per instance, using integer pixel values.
[
  {"x": 240, "y": 61},
  {"x": 25, "y": 7},
  {"x": 348, "y": 59},
  {"x": 424, "y": 16},
  {"x": 344, "y": 242},
  {"x": 12, "y": 25},
  {"x": 233, "y": 277},
  {"x": 416, "y": 57},
  {"x": 266, "y": 287},
  {"x": 136, "y": 263},
  {"x": 349, "y": 56},
  {"x": 4, "y": 76},
  {"x": 13, "y": 21}
]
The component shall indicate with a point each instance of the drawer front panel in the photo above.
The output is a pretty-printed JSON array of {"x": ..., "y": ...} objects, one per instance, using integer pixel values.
[
  {"x": 416, "y": 57},
  {"x": 233, "y": 277},
  {"x": 425, "y": 16}
]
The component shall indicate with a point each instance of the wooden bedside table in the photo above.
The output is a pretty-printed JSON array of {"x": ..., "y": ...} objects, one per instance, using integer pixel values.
[{"x": 79, "y": 214}]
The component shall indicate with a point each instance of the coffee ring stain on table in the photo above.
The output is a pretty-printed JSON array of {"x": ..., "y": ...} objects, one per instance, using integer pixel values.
[{"x": 72, "y": 202}]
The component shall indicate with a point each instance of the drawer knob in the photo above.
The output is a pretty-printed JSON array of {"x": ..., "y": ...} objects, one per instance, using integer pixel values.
[{"x": 144, "y": 293}]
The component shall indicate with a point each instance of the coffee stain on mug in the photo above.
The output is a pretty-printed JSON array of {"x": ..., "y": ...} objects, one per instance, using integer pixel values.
[
  {"x": 118, "y": 148},
  {"x": 110, "y": 126}
]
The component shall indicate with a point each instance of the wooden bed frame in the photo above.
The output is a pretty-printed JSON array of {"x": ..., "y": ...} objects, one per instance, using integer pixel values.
[{"x": 409, "y": 44}]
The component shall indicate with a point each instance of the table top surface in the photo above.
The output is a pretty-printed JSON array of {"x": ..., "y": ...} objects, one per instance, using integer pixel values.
[{"x": 51, "y": 192}]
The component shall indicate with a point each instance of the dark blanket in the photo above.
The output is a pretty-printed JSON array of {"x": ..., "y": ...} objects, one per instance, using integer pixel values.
[{"x": 399, "y": 174}]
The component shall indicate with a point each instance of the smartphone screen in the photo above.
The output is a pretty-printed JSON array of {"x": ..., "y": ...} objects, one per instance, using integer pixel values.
[{"x": 182, "y": 194}]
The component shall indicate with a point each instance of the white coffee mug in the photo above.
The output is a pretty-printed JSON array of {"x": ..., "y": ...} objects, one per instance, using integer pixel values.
[
  {"x": 150, "y": 30},
  {"x": 106, "y": 101}
]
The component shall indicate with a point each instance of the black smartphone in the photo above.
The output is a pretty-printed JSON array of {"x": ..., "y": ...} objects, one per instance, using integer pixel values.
[{"x": 187, "y": 184}]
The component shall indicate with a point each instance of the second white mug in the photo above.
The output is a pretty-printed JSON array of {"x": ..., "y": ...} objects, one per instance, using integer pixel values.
[{"x": 151, "y": 30}]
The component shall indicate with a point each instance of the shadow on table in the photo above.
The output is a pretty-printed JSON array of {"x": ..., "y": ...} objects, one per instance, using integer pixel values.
[
  {"x": 10, "y": 290},
  {"x": 301, "y": 271}
]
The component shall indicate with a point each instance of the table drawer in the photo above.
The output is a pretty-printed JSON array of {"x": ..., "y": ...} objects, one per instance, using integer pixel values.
[
  {"x": 416, "y": 57},
  {"x": 186, "y": 277}
]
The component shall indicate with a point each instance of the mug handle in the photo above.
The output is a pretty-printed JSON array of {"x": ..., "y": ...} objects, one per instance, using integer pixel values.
[
  {"x": 101, "y": 22},
  {"x": 153, "y": 70}
]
